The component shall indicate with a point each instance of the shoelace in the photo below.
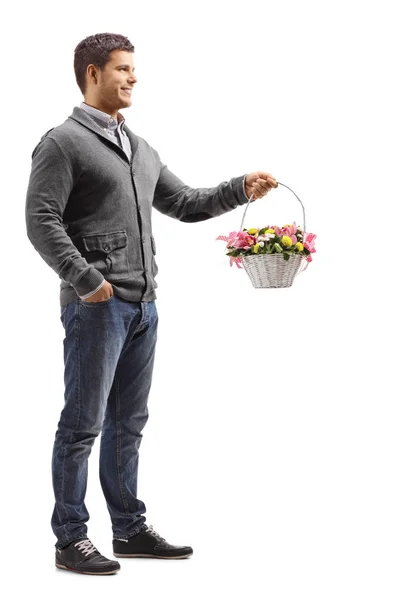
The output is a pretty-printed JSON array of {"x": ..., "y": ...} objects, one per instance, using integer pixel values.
[
  {"x": 153, "y": 532},
  {"x": 86, "y": 547}
]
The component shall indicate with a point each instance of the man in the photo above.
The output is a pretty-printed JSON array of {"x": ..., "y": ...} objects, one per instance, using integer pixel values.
[{"x": 92, "y": 187}]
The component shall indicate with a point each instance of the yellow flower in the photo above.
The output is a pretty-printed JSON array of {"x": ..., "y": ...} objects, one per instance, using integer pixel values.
[
  {"x": 256, "y": 247},
  {"x": 252, "y": 231},
  {"x": 270, "y": 231},
  {"x": 286, "y": 241},
  {"x": 299, "y": 246}
]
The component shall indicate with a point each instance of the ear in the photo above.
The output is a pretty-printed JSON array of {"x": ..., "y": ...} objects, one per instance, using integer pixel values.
[{"x": 91, "y": 71}]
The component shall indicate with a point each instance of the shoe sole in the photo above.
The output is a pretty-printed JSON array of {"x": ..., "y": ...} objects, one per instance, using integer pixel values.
[
  {"x": 87, "y": 572},
  {"x": 151, "y": 556}
]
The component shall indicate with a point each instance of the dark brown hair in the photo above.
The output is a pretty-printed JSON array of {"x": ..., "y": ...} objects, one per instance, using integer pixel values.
[{"x": 96, "y": 50}]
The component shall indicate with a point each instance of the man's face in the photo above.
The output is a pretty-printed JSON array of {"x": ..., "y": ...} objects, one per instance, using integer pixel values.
[{"x": 114, "y": 84}]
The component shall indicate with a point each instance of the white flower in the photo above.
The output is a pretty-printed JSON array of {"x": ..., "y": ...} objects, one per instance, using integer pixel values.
[{"x": 266, "y": 237}]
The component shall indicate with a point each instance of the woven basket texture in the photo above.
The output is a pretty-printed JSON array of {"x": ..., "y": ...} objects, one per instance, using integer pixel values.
[{"x": 272, "y": 270}]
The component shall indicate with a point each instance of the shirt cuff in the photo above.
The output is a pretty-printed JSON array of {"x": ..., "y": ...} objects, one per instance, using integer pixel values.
[{"x": 93, "y": 291}]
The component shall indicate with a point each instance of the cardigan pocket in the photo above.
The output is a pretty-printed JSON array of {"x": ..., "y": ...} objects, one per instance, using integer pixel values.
[
  {"x": 153, "y": 260},
  {"x": 108, "y": 253},
  {"x": 153, "y": 244}
]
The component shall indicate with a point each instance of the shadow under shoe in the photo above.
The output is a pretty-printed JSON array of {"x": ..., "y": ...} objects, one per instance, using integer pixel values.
[
  {"x": 81, "y": 556},
  {"x": 148, "y": 544}
]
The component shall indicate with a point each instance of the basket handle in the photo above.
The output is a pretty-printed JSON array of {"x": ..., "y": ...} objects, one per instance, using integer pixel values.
[{"x": 279, "y": 183}]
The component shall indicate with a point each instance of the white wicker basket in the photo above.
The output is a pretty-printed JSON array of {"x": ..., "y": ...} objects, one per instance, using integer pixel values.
[{"x": 272, "y": 270}]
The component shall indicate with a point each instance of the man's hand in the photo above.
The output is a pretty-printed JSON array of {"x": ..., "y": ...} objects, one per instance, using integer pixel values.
[
  {"x": 104, "y": 293},
  {"x": 259, "y": 184}
]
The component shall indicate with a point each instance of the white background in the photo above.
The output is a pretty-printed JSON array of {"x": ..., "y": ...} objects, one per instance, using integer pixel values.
[{"x": 272, "y": 445}]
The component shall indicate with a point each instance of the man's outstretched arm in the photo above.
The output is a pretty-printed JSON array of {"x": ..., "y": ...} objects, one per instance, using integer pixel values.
[{"x": 175, "y": 199}]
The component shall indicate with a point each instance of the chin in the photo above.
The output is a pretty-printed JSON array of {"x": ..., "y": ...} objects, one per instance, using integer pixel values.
[{"x": 126, "y": 99}]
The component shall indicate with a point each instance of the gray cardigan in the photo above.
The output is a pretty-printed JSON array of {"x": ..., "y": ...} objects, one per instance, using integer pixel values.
[{"x": 88, "y": 208}]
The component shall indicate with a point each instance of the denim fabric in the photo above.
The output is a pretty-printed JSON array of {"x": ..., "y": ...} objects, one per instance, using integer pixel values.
[{"x": 109, "y": 350}]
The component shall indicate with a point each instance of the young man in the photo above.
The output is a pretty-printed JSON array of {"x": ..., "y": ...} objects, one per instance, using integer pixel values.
[{"x": 92, "y": 187}]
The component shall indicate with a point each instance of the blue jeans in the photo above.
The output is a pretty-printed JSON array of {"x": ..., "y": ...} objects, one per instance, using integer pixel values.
[{"x": 109, "y": 350}]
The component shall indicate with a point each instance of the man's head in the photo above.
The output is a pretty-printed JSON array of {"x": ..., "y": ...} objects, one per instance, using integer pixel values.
[{"x": 103, "y": 65}]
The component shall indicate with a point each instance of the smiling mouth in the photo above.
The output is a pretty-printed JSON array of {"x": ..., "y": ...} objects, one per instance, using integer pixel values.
[{"x": 127, "y": 92}]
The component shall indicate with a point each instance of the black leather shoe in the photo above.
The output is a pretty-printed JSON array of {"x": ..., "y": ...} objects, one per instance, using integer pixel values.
[
  {"x": 82, "y": 557},
  {"x": 148, "y": 544}
]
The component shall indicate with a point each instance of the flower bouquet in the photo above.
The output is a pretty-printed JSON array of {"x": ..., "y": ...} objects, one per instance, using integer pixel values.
[{"x": 272, "y": 256}]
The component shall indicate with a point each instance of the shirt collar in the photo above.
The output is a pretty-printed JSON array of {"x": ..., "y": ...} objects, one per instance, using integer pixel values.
[{"x": 102, "y": 118}]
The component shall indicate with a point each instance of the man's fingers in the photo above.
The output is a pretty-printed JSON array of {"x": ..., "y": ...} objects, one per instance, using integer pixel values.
[
  {"x": 268, "y": 180},
  {"x": 260, "y": 191},
  {"x": 264, "y": 185}
]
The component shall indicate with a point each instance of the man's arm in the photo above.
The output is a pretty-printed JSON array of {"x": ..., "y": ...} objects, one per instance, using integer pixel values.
[
  {"x": 177, "y": 200},
  {"x": 50, "y": 184}
]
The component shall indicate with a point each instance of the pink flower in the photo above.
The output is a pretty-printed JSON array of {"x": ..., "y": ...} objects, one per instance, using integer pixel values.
[
  {"x": 309, "y": 242},
  {"x": 233, "y": 240},
  {"x": 239, "y": 239},
  {"x": 290, "y": 231}
]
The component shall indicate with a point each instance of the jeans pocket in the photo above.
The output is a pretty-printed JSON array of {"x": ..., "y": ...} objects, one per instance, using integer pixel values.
[{"x": 99, "y": 303}]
